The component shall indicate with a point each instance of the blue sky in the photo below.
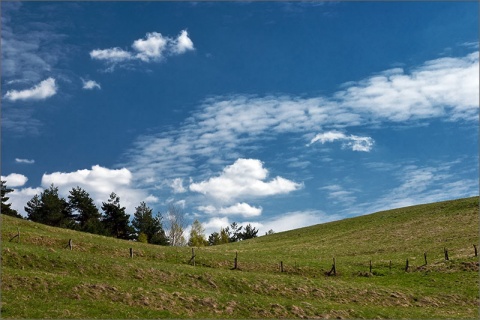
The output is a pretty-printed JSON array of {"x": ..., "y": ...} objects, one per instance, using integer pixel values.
[{"x": 277, "y": 114}]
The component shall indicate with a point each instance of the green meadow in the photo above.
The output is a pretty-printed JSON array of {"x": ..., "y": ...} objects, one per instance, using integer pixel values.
[{"x": 43, "y": 278}]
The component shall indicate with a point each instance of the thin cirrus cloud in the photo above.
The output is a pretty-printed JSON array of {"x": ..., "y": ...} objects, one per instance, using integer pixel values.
[
  {"x": 445, "y": 88},
  {"x": 154, "y": 47},
  {"x": 356, "y": 143},
  {"x": 243, "y": 179},
  {"x": 45, "y": 89}
]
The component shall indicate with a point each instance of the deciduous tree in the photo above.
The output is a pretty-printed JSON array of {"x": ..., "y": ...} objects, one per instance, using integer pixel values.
[
  {"x": 176, "y": 225},
  {"x": 197, "y": 235}
]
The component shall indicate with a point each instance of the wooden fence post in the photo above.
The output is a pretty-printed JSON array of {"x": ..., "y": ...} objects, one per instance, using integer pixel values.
[
  {"x": 281, "y": 266},
  {"x": 192, "y": 259},
  {"x": 131, "y": 253},
  {"x": 425, "y": 257},
  {"x": 70, "y": 244},
  {"x": 390, "y": 265},
  {"x": 406, "y": 266},
  {"x": 334, "y": 269},
  {"x": 370, "y": 266},
  {"x": 235, "y": 261},
  {"x": 475, "y": 247},
  {"x": 16, "y": 236},
  {"x": 446, "y": 253}
]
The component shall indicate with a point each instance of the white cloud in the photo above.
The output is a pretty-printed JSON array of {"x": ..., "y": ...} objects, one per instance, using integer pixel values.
[
  {"x": 427, "y": 184},
  {"x": 183, "y": 43},
  {"x": 447, "y": 87},
  {"x": 339, "y": 194},
  {"x": 150, "y": 48},
  {"x": 243, "y": 179},
  {"x": 242, "y": 209},
  {"x": 223, "y": 127},
  {"x": 41, "y": 91},
  {"x": 111, "y": 55},
  {"x": 100, "y": 182},
  {"x": 294, "y": 220},
  {"x": 153, "y": 48},
  {"x": 26, "y": 161},
  {"x": 356, "y": 143},
  {"x": 90, "y": 85},
  {"x": 15, "y": 180},
  {"x": 177, "y": 185},
  {"x": 20, "y": 197}
]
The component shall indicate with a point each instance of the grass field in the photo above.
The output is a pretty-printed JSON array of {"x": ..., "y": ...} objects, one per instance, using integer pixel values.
[{"x": 43, "y": 278}]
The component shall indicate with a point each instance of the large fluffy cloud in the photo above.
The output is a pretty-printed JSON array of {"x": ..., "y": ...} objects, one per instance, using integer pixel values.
[
  {"x": 100, "y": 182},
  {"x": 41, "y": 91},
  {"x": 243, "y": 179},
  {"x": 15, "y": 180}
]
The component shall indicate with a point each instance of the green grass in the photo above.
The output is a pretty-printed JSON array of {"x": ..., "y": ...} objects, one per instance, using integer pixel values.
[{"x": 42, "y": 278}]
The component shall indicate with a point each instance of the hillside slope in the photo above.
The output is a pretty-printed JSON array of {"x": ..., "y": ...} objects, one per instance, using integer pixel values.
[{"x": 43, "y": 278}]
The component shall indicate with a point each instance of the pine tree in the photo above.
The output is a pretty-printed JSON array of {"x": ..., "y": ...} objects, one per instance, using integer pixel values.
[
  {"x": 145, "y": 223},
  {"x": 249, "y": 233},
  {"x": 49, "y": 208},
  {"x": 115, "y": 220},
  {"x": 5, "y": 208},
  {"x": 87, "y": 215}
]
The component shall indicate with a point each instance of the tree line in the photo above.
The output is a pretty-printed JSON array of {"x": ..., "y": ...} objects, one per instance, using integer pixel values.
[{"x": 78, "y": 212}]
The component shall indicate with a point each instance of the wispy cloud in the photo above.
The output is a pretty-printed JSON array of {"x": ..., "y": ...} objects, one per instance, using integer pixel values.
[
  {"x": 153, "y": 48},
  {"x": 445, "y": 88},
  {"x": 26, "y": 161},
  {"x": 90, "y": 85},
  {"x": 339, "y": 194},
  {"x": 425, "y": 184},
  {"x": 45, "y": 89},
  {"x": 356, "y": 143}
]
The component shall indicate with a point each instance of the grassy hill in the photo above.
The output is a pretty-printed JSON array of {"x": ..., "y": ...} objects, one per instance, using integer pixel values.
[{"x": 43, "y": 278}]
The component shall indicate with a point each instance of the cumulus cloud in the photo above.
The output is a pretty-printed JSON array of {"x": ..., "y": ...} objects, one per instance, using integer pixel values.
[
  {"x": 90, "y": 85},
  {"x": 152, "y": 48},
  {"x": 26, "y": 161},
  {"x": 100, "y": 182},
  {"x": 356, "y": 143},
  {"x": 183, "y": 43},
  {"x": 15, "y": 180},
  {"x": 45, "y": 89},
  {"x": 243, "y": 179},
  {"x": 242, "y": 209},
  {"x": 20, "y": 197}
]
